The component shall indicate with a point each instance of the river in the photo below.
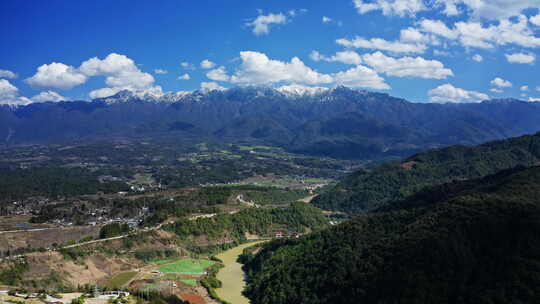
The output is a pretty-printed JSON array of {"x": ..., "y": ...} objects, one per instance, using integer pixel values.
[{"x": 232, "y": 275}]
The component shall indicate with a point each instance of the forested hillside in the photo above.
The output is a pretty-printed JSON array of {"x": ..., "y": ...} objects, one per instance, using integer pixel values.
[
  {"x": 475, "y": 241},
  {"x": 366, "y": 190}
]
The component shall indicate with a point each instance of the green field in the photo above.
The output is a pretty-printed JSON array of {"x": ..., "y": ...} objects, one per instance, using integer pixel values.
[
  {"x": 120, "y": 279},
  {"x": 190, "y": 282},
  {"x": 187, "y": 266},
  {"x": 163, "y": 261}
]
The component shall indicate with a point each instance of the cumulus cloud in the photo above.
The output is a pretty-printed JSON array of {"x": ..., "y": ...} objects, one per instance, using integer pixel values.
[
  {"x": 477, "y": 9},
  {"x": 501, "y": 83},
  {"x": 477, "y": 58},
  {"x": 495, "y": 90},
  {"x": 382, "y": 44},
  {"x": 535, "y": 20},
  {"x": 413, "y": 35},
  {"x": 407, "y": 66},
  {"x": 475, "y": 34},
  {"x": 390, "y": 7},
  {"x": 524, "y": 88},
  {"x": 187, "y": 66},
  {"x": 160, "y": 71},
  {"x": 211, "y": 86},
  {"x": 48, "y": 96},
  {"x": 7, "y": 74},
  {"x": 9, "y": 94},
  {"x": 326, "y": 19},
  {"x": 347, "y": 57},
  {"x": 121, "y": 74},
  {"x": 449, "y": 93},
  {"x": 207, "y": 64},
  {"x": 57, "y": 76},
  {"x": 219, "y": 74},
  {"x": 257, "y": 68},
  {"x": 185, "y": 76},
  {"x": 262, "y": 24},
  {"x": 533, "y": 99},
  {"x": 361, "y": 77},
  {"x": 520, "y": 58}
]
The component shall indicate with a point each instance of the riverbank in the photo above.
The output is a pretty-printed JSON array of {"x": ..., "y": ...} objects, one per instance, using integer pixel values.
[{"x": 232, "y": 276}]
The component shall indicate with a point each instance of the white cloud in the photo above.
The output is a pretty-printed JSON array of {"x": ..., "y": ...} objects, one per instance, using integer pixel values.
[
  {"x": 533, "y": 99},
  {"x": 449, "y": 93},
  {"x": 361, "y": 77},
  {"x": 48, "y": 96},
  {"x": 412, "y": 35},
  {"x": 407, "y": 66},
  {"x": 7, "y": 74},
  {"x": 347, "y": 57},
  {"x": 57, "y": 76},
  {"x": 207, "y": 64},
  {"x": 477, "y": 58},
  {"x": 477, "y": 9},
  {"x": 390, "y": 7},
  {"x": 121, "y": 72},
  {"x": 501, "y": 83},
  {"x": 524, "y": 88},
  {"x": 495, "y": 90},
  {"x": 326, "y": 19},
  {"x": 535, "y": 20},
  {"x": 185, "y": 76},
  {"x": 261, "y": 25},
  {"x": 9, "y": 94},
  {"x": 219, "y": 74},
  {"x": 187, "y": 66},
  {"x": 475, "y": 34},
  {"x": 383, "y": 45},
  {"x": 160, "y": 71},
  {"x": 257, "y": 68},
  {"x": 437, "y": 27},
  {"x": 520, "y": 58},
  {"x": 211, "y": 86}
]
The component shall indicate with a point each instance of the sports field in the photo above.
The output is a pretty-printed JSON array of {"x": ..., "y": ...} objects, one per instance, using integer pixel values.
[{"x": 187, "y": 266}]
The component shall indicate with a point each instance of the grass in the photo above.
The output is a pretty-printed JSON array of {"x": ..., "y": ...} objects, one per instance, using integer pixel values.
[
  {"x": 187, "y": 266},
  {"x": 192, "y": 283},
  {"x": 163, "y": 261},
  {"x": 121, "y": 279}
]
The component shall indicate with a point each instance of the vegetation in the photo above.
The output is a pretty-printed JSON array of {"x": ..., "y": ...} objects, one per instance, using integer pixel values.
[
  {"x": 13, "y": 274},
  {"x": 186, "y": 266},
  {"x": 112, "y": 230},
  {"x": 52, "y": 182},
  {"x": 156, "y": 256},
  {"x": 121, "y": 279},
  {"x": 367, "y": 190},
  {"x": 475, "y": 241},
  {"x": 298, "y": 218}
]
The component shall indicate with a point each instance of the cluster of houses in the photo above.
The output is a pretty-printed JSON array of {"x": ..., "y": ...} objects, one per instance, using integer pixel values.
[{"x": 293, "y": 235}]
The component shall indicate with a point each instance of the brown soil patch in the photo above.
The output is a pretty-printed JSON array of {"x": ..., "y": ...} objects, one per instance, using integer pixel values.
[
  {"x": 192, "y": 298},
  {"x": 408, "y": 165}
]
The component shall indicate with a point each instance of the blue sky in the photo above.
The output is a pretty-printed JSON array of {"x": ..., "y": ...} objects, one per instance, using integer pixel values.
[{"x": 421, "y": 50}]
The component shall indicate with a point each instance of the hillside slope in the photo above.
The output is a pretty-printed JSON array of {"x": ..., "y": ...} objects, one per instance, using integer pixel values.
[
  {"x": 473, "y": 241},
  {"x": 366, "y": 190}
]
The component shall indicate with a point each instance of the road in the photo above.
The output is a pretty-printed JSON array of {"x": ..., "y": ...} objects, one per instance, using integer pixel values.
[{"x": 83, "y": 243}]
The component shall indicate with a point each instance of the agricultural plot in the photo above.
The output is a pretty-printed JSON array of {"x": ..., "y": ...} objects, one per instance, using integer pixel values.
[
  {"x": 121, "y": 279},
  {"x": 187, "y": 266}
]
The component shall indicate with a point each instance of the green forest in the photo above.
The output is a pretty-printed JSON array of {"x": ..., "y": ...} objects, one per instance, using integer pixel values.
[
  {"x": 299, "y": 217},
  {"x": 367, "y": 190},
  {"x": 475, "y": 241}
]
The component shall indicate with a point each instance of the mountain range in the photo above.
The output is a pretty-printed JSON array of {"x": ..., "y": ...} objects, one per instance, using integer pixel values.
[
  {"x": 474, "y": 241},
  {"x": 339, "y": 122}
]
